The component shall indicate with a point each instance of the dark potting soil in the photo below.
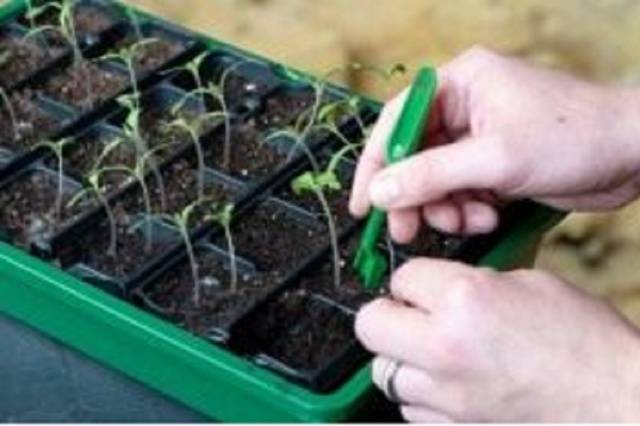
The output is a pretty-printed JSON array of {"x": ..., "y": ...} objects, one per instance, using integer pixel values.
[
  {"x": 181, "y": 189},
  {"x": 283, "y": 109},
  {"x": 21, "y": 57},
  {"x": 92, "y": 247},
  {"x": 301, "y": 331},
  {"x": 251, "y": 155},
  {"x": 155, "y": 129},
  {"x": 28, "y": 208},
  {"x": 249, "y": 158},
  {"x": 82, "y": 156},
  {"x": 85, "y": 85},
  {"x": 431, "y": 243},
  {"x": 349, "y": 293},
  {"x": 219, "y": 306},
  {"x": 32, "y": 123},
  {"x": 88, "y": 20},
  {"x": 153, "y": 55},
  {"x": 274, "y": 240}
]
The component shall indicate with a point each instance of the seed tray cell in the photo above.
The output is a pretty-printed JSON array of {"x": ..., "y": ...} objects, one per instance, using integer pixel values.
[
  {"x": 170, "y": 293},
  {"x": 21, "y": 55},
  {"x": 276, "y": 343}
]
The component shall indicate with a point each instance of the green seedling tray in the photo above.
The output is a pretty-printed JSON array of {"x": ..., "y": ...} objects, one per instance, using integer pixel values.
[{"x": 189, "y": 369}]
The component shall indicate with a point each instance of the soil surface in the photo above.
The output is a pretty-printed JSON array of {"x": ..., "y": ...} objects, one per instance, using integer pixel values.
[
  {"x": 32, "y": 123},
  {"x": 284, "y": 109},
  {"x": 85, "y": 85},
  {"x": 301, "y": 331},
  {"x": 274, "y": 240},
  {"x": 349, "y": 293},
  {"x": 81, "y": 157},
  {"x": 152, "y": 56},
  {"x": 431, "y": 243},
  {"x": 219, "y": 306},
  {"x": 252, "y": 157},
  {"x": 28, "y": 208},
  {"x": 20, "y": 58},
  {"x": 180, "y": 185},
  {"x": 132, "y": 254},
  {"x": 155, "y": 120}
]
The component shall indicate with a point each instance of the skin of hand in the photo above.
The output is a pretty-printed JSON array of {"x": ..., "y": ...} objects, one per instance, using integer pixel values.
[
  {"x": 479, "y": 345},
  {"x": 502, "y": 128}
]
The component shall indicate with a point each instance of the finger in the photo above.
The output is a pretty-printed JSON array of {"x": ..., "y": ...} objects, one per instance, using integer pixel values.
[
  {"x": 435, "y": 173},
  {"x": 443, "y": 216},
  {"x": 479, "y": 218},
  {"x": 373, "y": 158},
  {"x": 412, "y": 385},
  {"x": 452, "y": 104},
  {"x": 425, "y": 283},
  {"x": 395, "y": 331},
  {"x": 404, "y": 225},
  {"x": 417, "y": 414}
]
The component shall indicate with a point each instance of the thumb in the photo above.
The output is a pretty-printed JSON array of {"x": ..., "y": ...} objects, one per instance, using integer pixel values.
[{"x": 470, "y": 164}]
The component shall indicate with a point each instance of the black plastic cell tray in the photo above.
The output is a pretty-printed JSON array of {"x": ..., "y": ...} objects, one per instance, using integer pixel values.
[{"x": 254, "y": 88}]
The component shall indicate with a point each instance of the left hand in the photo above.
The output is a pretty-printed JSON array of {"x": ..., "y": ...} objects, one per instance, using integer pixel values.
[{"x": 478, "y": 345}]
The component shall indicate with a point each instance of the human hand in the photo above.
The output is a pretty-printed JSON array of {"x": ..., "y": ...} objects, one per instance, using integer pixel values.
[
  {"x": 478, "y": 345},
  {"x": 503, "y": 128}
]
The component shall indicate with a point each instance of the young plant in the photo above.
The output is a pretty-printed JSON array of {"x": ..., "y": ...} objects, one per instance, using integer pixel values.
[
  {"x": 194, "y": 130},
  {"x": 224, "y": 217},
  {"x": 181, "y": 221},
  {"x": 64, "y": 9},
  {"x": 319, "y": 183},
  {"x": 217, "y": 91},
  {"x": 58, "y": 150},
  {"x": 6, "y": 101},
  {"x": 139, "y": 174},
  {"x": 96, "y": 190},
  {"x": 192, "y": 67},
  {"x": 128, "y": 56},
  {"x": 331, "y": 114},
  {"x": 65, "y": 27},
  {"x": 325, "y": 114},
  {"x": 132, "y": 130}
]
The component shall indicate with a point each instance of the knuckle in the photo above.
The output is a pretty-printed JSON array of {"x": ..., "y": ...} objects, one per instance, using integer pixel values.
[
  {"x": 450, "y": 354},
  {"x": 463, "y": 290},
  {"x": 471, "y": 288}
]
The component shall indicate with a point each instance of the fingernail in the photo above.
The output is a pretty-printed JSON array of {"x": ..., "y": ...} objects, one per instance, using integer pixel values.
[{"x": 385, "y": 190}]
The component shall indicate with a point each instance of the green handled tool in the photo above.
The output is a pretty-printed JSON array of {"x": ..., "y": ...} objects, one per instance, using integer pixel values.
[{"x": 370, "y": 264}]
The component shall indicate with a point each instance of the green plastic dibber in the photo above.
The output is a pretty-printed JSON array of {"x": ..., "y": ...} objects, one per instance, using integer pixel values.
[{"x": 370, "y": 264}]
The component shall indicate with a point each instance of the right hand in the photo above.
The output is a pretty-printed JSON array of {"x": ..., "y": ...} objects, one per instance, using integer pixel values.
[{"x": 503, "y": 129}]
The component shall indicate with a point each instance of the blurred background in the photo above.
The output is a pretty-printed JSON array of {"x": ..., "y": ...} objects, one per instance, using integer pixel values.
[{"x": 596, "y": 39}]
